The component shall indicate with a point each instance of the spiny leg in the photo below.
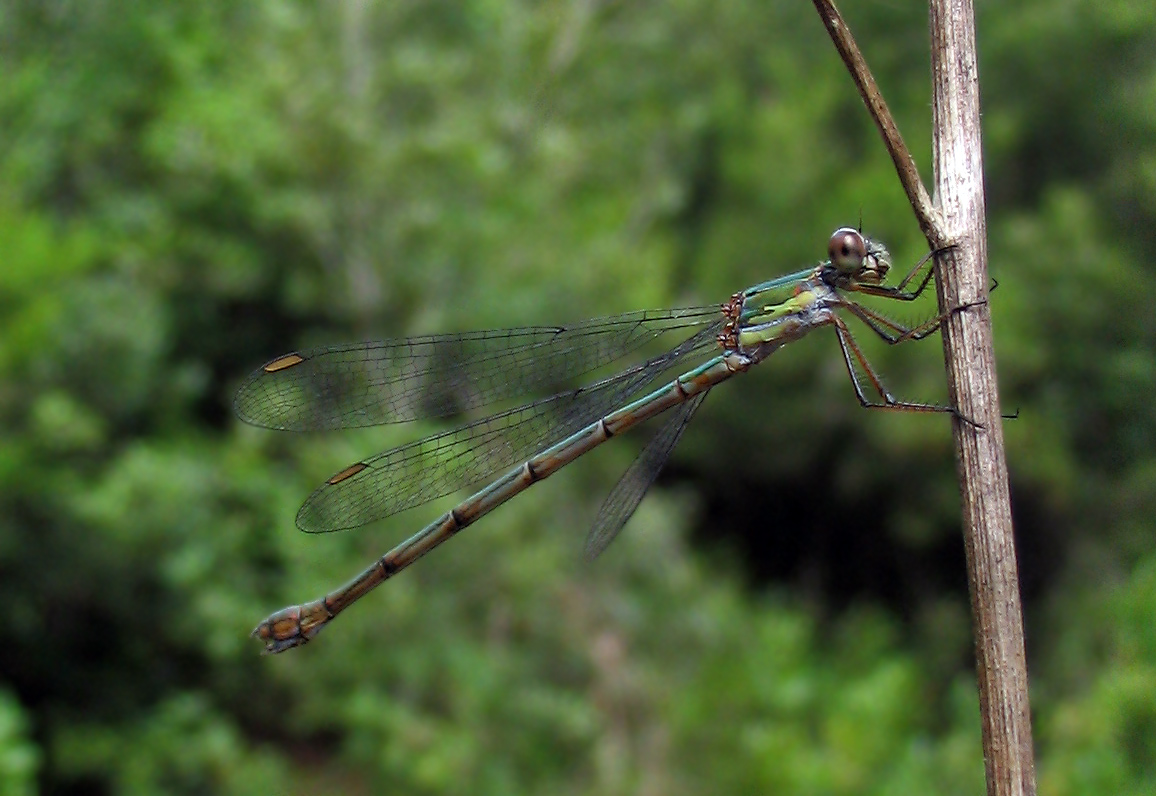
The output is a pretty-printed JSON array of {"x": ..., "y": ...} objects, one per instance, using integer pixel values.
[
  {"x": 898, "y": 292},
  {"x": 931, "y": 255},
  {"x": 892, "y": 332},
  {"x": 851, "y": 349}
]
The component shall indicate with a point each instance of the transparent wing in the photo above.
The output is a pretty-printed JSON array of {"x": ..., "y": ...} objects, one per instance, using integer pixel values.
[
  {"x": 395, "y": 381},
  {"x": 622, "y": 501},
  {"x": 416, "y": 473}
]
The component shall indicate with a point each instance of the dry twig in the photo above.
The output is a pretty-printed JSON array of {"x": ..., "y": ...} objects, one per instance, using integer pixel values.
[{"x": 957, "y": 217}]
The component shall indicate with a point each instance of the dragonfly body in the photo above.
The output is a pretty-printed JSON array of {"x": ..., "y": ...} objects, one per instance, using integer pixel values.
[{"x": 746, "y": 330}]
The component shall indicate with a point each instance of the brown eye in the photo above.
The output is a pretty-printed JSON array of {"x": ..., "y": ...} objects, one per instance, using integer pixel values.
[{"x": 847, "y": 249}]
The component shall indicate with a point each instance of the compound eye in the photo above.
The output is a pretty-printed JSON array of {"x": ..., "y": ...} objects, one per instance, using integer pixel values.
[{"x": 847, "y": 250}]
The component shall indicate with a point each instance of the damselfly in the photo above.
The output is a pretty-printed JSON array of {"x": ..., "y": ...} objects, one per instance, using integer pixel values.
[{"x": 439, "y": 375}]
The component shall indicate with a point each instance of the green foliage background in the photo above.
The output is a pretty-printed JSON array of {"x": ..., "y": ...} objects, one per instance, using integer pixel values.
[{"x": 188, "y": 189}]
